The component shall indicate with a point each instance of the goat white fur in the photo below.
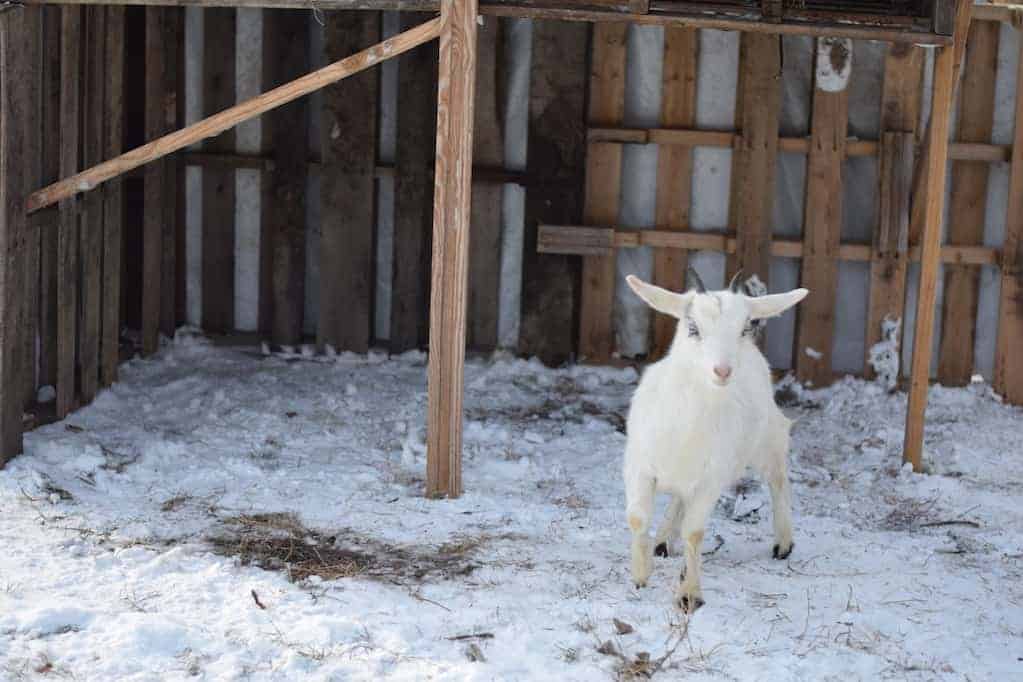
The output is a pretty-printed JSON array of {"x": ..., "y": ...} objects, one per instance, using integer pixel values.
[{"x": 699, "y": 418}]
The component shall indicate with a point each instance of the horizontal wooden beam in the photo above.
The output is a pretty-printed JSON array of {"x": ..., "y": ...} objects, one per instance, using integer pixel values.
[
  {"x": 959, "y": 151},
  {"x": 218, "y": 123},
  {"x": 601, "y": 241},
  {"x": 1010, "y": 14},
  {"x": 660, "y": 14}
]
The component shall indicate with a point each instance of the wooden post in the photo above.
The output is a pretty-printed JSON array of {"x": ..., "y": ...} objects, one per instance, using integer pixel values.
[
  {"x": 822, "y": 222},
  {"x": 456, "y": 85},
  {"x": 968, "y": 204},
  {"x": 900, "y": 115},
  {"x": 347, "y": 189},
  {"x": 937, "y": 146},
  {"x": 113, "y": 199},
  {"x": 155, "y": 184},
  {"x": 1008, "y": 356},
  {"x": 173, "y": 45},
  {"x": 555, "y": 161},
  {"x": 413, "y": 195},
  {"x": 487, "y": 197},
  {"x": 285, "y": 135},
  {"x": 15, "y": 71},
  {"x": 674, "y": 170},
  {"x": 603, "y": 186},
  {"x": 51, "y": 172},
  {"x": 33, "y": 170},
  {"x": 67, "y": 239},
  {"x": 759, "y": 103}
]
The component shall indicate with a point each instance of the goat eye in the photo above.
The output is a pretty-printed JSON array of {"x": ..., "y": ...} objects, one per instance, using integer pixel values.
[{"x": 694, "y": 331}]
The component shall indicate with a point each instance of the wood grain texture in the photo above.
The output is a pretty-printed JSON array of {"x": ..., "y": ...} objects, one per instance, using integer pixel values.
[
  {"x": 285, "y": 135},
  {"x": 92, "y": 219},
  {"x": 487, "y": 198},
  {"x": 413, "y": 195},
  {"x": 218, "y": 184},
  {"x": 347, "y": 189},
  {"x": 556, "y": 162},
  {"x": 822, "y": 231},
  {"x": 50, "y": 172},
  {"x": 15, "y": 119},
  {"x": 449, "y": 273},
  {"x": 173, "y": 117},
  {"x": 602, "y": 190},
  {"x": 674, "y": 171},
  {"x": 945, "y": 73},
  {"x": 33, "y": 28},
  {"x": 968, "y": 205},
  {"x": 900, "y": 114},
  {"x": 154, "y": 181},
  {"x": 1008, "y": 358},
  {"x": 67, "y": 238},
  {"x": 113, "y": 199},
  {"x": 756, "y": 158}
]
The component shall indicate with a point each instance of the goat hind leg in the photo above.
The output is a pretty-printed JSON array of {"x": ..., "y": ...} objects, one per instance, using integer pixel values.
[
  {"x": 670, "y": 529},
  {"x": 776, "y": 471},
  {"x": 639, "y": 497}
]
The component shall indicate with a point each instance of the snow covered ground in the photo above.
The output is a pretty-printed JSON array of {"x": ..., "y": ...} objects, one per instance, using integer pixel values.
[{"x": 118, "y": 525}]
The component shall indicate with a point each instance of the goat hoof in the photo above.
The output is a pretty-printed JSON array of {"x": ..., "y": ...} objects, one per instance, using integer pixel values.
[
  {"x": 779, "y": 554},
  {"x": 661, "y": 549},
  {"x": 639, "y": 585},
  {"x": 689, "y": 604}
]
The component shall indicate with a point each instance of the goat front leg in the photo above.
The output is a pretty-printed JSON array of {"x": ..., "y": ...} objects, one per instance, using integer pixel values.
[
  {"x": 639, "y": 507},
  {"x": 670, "y": 528},
  {"x": 689, "y": 595}
]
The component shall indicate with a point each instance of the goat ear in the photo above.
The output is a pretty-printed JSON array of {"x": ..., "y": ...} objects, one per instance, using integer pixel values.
[
  {"x": 775, "y": 304},
  {"x": 667, "y": 302}
]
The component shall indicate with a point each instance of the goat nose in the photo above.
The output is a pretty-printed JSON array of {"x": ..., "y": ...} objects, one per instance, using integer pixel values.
[{"x": 723, "y": 371}]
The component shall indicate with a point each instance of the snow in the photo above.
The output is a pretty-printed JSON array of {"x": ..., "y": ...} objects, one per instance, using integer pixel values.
[{"x": 108, "y": 571}]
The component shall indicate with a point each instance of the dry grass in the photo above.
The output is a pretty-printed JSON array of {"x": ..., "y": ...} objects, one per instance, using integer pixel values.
[{"x": 280, "y": 542}]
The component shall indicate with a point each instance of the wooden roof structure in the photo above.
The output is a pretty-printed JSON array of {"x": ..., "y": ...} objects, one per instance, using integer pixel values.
[{"x": 939, "y": 23}]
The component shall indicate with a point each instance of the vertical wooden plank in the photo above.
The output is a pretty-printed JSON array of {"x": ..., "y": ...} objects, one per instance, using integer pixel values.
[
  {"x": 900, "y": 114},
  {"x": 456, "y": 87},
  {"x": 822, "y": 224},
  {"x": 92, "y": 217},
  {"x": 413, "y": 193},
  {"x": 173, "y": 43},
  {"x": 218, "y": 188},
  {"x": 179, "y": 167},
  {"x": 937, "y": 158},
  {"x": 603, "y": 187},
  {"x": 33, "y": 179},
  {"x": 113, "y": 199},
  {"x": 285, "y": 135},
  {"x": 67, "y": 239},
  {"x": 753, "y": 188},
  {"x": 154, "y": 181},
  {"x": 50, "y": 170},
  {"x": 347, "y": 189},
  {"x": 15, "y": 70},
  {"x": 1008, "y": 358},
  {"x": 968, "y": 204},
  {"x": 674, "y": 170},
  {"x": 488, "y": 151},
  {"x": 556, "y": 163}
]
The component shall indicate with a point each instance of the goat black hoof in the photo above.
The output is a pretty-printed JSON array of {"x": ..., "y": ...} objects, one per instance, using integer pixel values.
[
  {"x": 661, "y": 549},
  {"x": 690, "y": 604},
  {"x": 779, "y": 554}
]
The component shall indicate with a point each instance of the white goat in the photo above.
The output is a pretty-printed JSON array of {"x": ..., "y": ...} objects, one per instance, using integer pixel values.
[{"x": 699, "y": 418}]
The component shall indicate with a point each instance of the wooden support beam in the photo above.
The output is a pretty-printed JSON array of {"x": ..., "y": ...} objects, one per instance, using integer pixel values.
[
  {"x": 555, "y": 160},
  {"x": 33, "y": 27},
  {"x": 487, "y": 198},
  {"x": 937, "y": 146},
  {"x": 756, "y": 159},
  {"x": 218, "y": 184},
  {"x": 603, "y": 187},
  {"x": 822, "y": 221},
  {"x": 15, "y": 72},
  {"x": 67, "y": 240},
  {"x": 674, "y": 170},
  {"x": 113, "y": 199},
  {"x": 968, "y": 205},
  {"x": 578, "y": 240},
  {"x": 413, "y": 196},
  {"x": 213, "y": 125},
  {"x": 155, "y": 182},
  {"x": 285, "y": 134},
  {"x": 1008, "y": 357},
  {"x": 456, "y": 87},
  {"x": 50, "y": 66},
  {"x": 173, "y": 179},
  {"x": 900, "y": 113},
  {"x": 347, "y": 190}
]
